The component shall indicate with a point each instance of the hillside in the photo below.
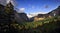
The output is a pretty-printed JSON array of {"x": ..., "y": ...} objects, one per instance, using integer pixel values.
[
  {"x": 21, "y": 17},
  {"x": 55, "y": 12},
  {"x": 13, "y": 22},
  {"x": 49, "y": 25},
  {"x": 9, "y": 16}
]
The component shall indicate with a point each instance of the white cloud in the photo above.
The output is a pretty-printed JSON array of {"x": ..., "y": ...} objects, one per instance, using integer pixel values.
[
  {"x": 14, "y": 3},
  {"x": 4, "y": 2},
  {"x": 35, "y": 14},
  {"x": 38, "y": 13},
  {"x": 29, "y": 16},
  {"x": 8, "y": 1},
  {"x": 21, "y": 10}
]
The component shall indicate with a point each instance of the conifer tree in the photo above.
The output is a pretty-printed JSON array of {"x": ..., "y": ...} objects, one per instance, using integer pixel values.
[{"x": 9, "y": 10}]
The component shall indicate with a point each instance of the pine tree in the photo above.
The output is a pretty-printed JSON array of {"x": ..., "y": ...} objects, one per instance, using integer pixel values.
[
  {"x": 7, "y": 18},
  {"x": 9, "y": 10},
  {"x": 9, "y": 15}
]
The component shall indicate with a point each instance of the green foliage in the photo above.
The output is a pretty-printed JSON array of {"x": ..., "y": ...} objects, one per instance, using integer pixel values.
[
  {"x": 9, "y": 8},
  {"x": 44, "y": 26}
]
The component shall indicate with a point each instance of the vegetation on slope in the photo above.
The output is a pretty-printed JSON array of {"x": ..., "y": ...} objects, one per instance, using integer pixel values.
[{"x": 49, "y": 25}]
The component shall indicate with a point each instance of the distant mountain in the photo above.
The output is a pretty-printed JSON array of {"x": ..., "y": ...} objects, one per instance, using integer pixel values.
[
  {"x": 55, "y": 12},
  {"x": 35, "y": 14},
  {"x": 21, "y": 17}
]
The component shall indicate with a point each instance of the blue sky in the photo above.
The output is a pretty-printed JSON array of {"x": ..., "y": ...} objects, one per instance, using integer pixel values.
[{"x": 33, "y": 6}]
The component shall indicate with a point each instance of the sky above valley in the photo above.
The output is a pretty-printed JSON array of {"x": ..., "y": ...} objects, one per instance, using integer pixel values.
[{"x": 37, "y": 6}]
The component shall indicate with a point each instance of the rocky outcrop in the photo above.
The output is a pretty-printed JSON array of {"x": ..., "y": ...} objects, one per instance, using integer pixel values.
[
  {"x": 55, "y": 12},
  {"x": 23, "y": 16}
]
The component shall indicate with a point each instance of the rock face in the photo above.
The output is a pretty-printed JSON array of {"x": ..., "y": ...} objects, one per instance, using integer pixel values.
[
  {"x": 55, "y": 12},
  {"x": 21, "y": 17},
  {"x": 40, "y": 17}
]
